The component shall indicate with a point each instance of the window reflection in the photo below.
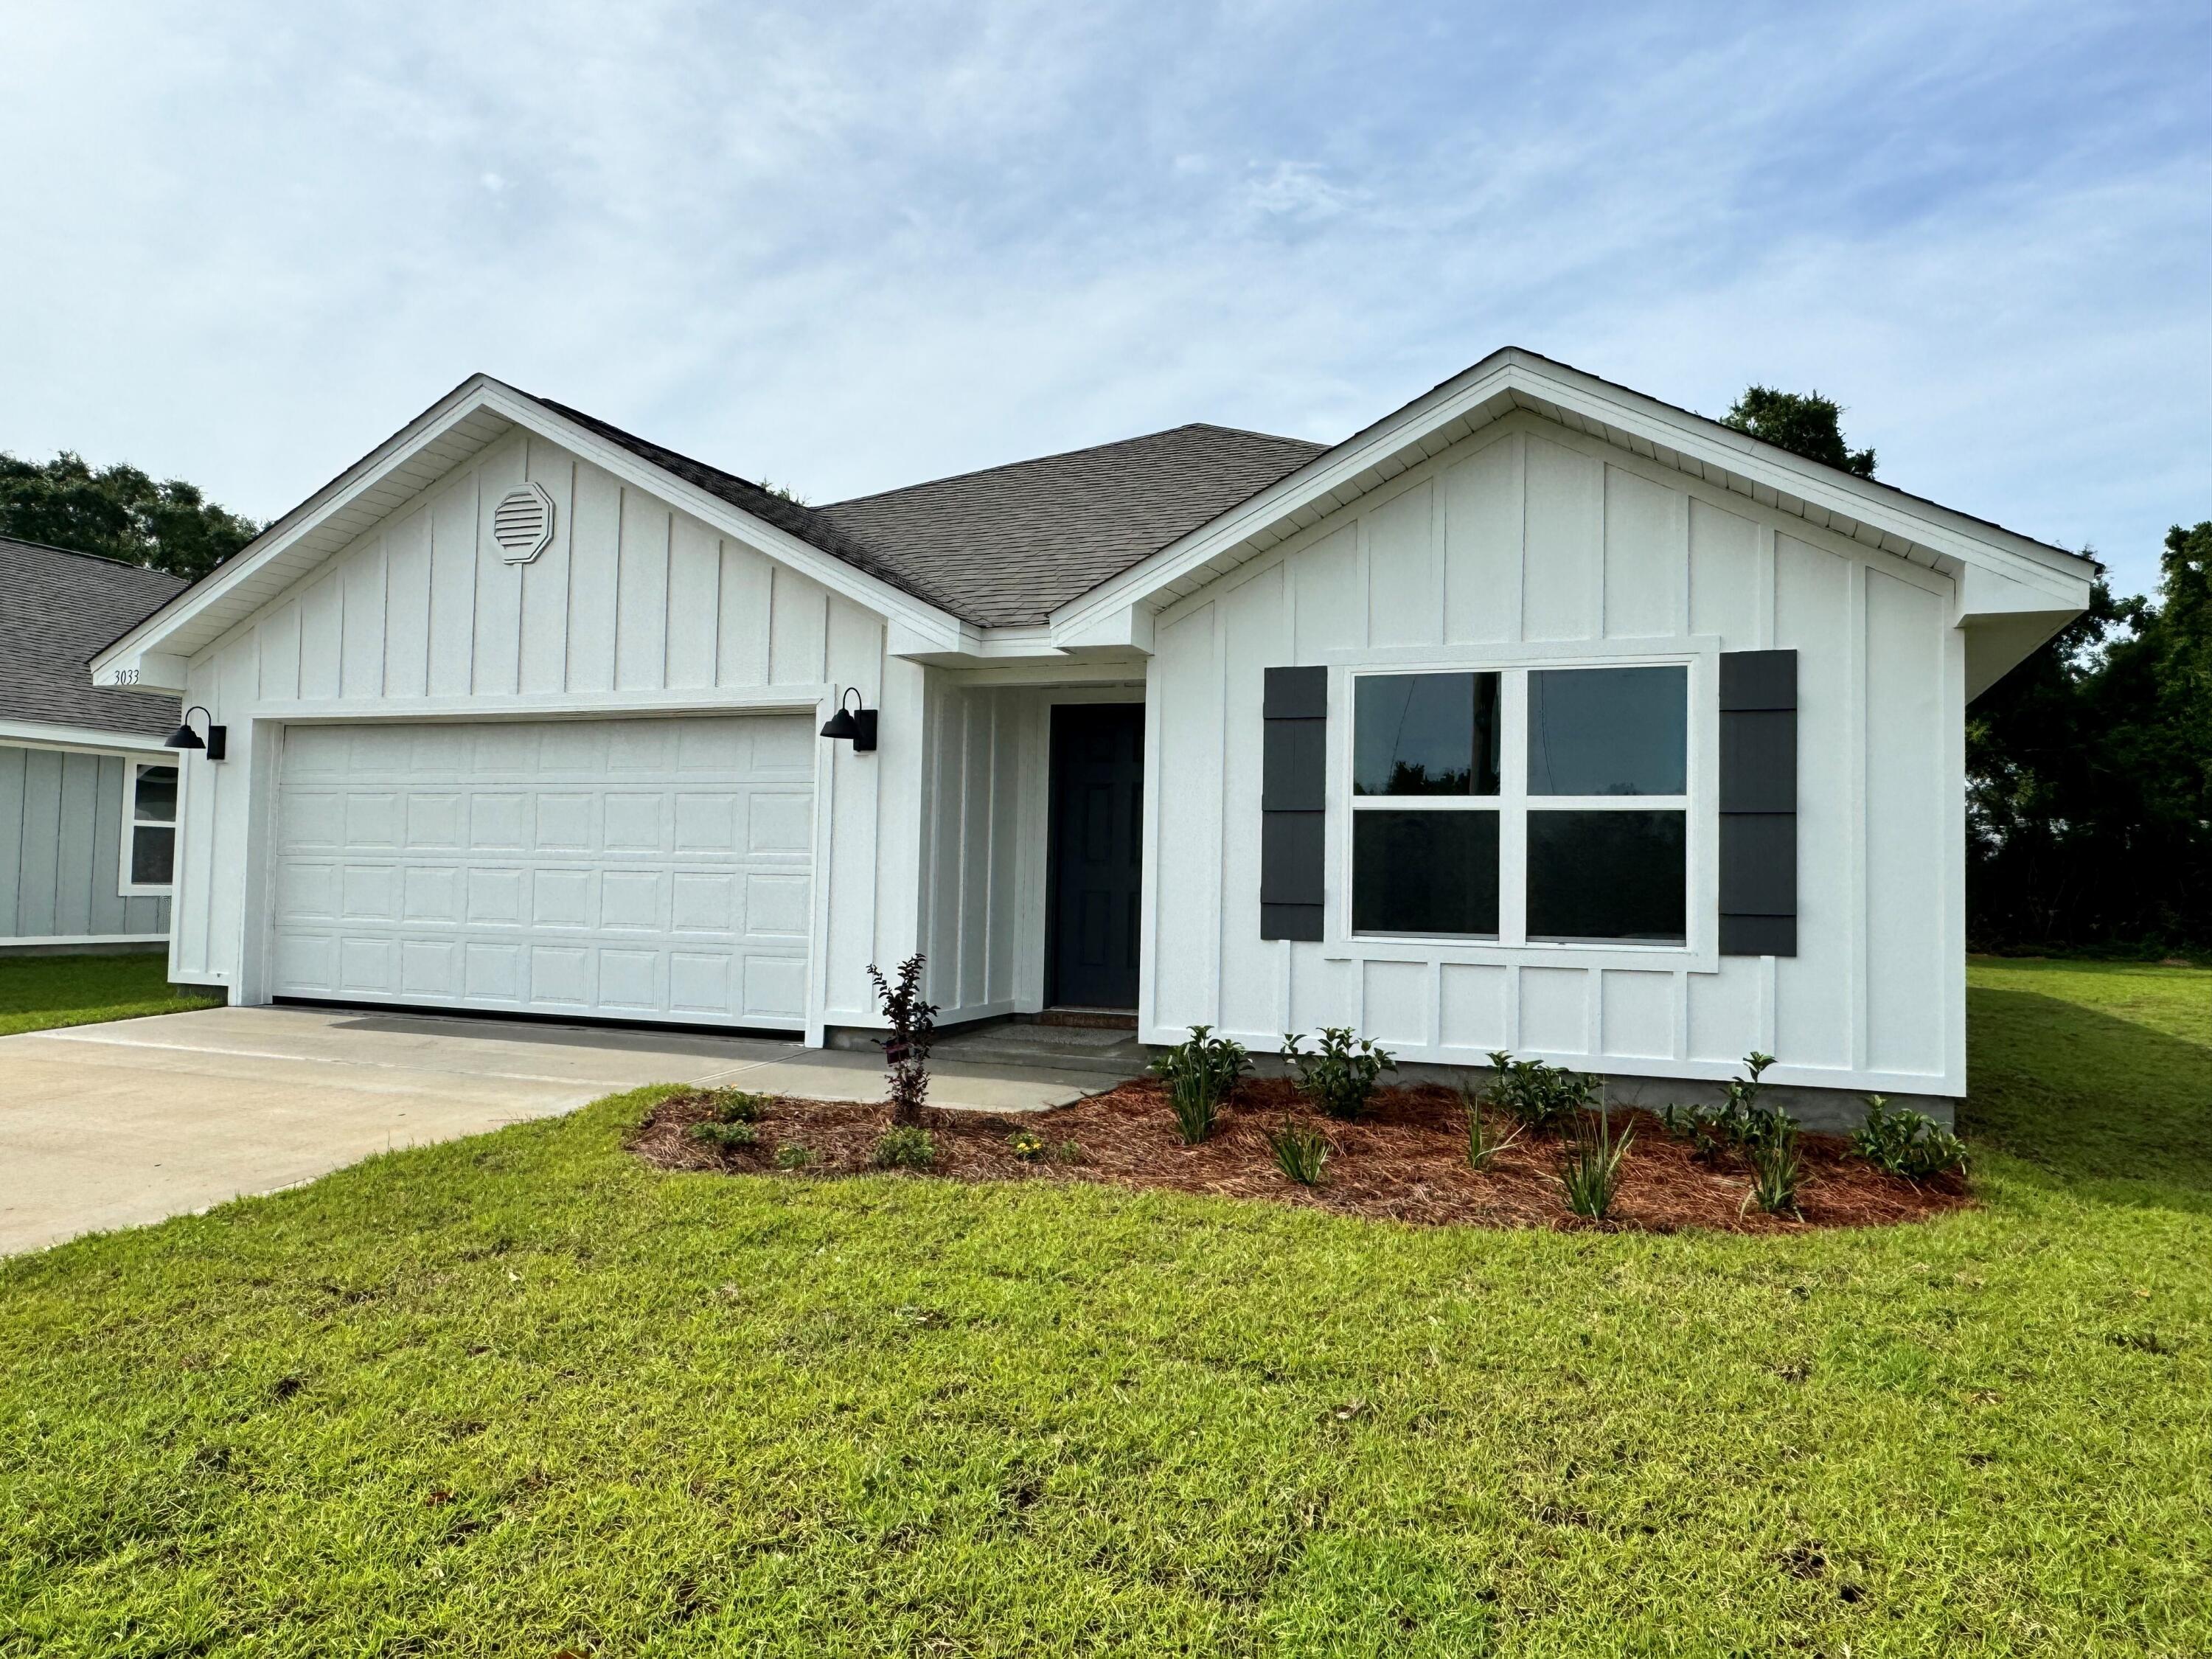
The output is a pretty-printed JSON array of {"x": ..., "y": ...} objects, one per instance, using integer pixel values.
[
  {"x": 1425, "y": 734},
  {"x": 1608, "y": 731}
]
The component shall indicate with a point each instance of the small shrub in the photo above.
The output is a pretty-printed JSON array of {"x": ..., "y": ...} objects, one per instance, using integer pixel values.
[
  {"x": 1200, "y": 1073},
  {"x": 1539, "y": 1096},
  {"x": 1742, "y": 1124},
  {"x": 1068, "y": 1152},
  {"x": 1590, "y": 1169},
  {"x": 1026, "y": 1146},
  {"x": 905, "y": 1050},
  {"x": 1906, "y": 1143},
  {"x": 1300, "y": 1152},
  {"x": 907, "y": 1147},
  {"x": 1776, "y": 1167},
  {"x": 715, "y": 1133},
  {"x": 1482, "y": 1146},
  {"x": 1340, "y": 1075},
  {"x": 735, "y": 1105},
  {"x": 793, "y": 1156}
]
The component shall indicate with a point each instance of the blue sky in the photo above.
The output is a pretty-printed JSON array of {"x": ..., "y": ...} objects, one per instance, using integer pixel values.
[{"x": 847, "y": 247}]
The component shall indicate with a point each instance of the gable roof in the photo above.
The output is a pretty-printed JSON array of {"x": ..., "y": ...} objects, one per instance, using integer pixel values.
[
  {"x": 2005, "y": 572},
  {"x": 1005, "y": 545},
  {"x": 57, "y": 608},
  {"x": 816, "y": 528}
]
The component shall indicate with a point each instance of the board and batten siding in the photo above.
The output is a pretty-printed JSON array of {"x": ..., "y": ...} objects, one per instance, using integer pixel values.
[
  {"x": 61, "y": 850},
  {"x": 986, "y": 832},
  {"x": 634, "y": 606},
  {"x": 1530, "y": 544}
]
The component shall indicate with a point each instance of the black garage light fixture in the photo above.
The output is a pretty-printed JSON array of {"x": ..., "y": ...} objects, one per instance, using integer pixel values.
[
  {"x": 217, "y": 743},
  {"x": 856, "y": 724}
]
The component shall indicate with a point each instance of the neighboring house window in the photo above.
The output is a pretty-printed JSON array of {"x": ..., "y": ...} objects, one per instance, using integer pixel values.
[
  {"x": 149, "y": 829},
  {"x": 1588, "y": 824}
]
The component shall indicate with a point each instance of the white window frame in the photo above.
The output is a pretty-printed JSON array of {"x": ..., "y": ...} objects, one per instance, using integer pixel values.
[
  {"x": 1699, "y": 951},
  {"x": 132, "y": 766}
]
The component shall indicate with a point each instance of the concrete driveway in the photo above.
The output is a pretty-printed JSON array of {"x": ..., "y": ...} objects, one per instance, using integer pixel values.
[{"x": 114, "y": 1125}]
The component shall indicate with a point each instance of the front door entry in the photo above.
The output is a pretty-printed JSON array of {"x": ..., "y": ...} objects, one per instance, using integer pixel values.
[{"x": 1098, "y": 854}]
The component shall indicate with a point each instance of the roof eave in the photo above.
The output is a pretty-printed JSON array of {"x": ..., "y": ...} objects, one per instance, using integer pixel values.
[
  {"x": 158, "y": 645},
  {"x": 1513, "y": 379}
]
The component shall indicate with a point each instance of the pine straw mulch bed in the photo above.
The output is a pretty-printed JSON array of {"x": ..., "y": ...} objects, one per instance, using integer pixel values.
[{"x": 1407, "y": 1161}]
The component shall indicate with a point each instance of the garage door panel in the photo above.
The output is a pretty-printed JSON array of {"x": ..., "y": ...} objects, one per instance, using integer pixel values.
[
  {"x": 434, "y": 821},
  {"x": 430, "y": 967},
  {"x": 369, "y": 892},
  {"x": 631, "y": 899},
  {"x": 430, "y": 895},
  {"x": 564, "y": 823},
  {"x": 560, "y": 898},
  {"x": 653, "y": 869},
  {"x": 776, "y": 907}
]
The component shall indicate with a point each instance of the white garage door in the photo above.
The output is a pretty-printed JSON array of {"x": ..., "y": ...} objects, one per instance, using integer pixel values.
[{"x": 639, "y": 869}]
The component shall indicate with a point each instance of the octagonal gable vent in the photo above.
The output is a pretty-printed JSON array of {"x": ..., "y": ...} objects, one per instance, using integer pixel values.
[{"x": 522, "y": 523}]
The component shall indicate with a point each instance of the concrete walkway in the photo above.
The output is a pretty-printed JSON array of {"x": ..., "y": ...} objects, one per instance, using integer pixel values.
[{"x": 115, "y": 1125}]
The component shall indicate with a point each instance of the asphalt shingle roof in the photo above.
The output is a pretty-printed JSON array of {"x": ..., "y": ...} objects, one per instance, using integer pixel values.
[
  {"x": 56, "y": 608},
  {"x": 1010, "y": 544},
  {"x": 1003, "y": 546}
]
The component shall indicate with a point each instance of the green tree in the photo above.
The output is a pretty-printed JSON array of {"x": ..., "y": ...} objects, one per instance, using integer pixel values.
[
  {"x": 2089, "y": 775},
  {"x": 1807, "y": 425},
  {"x": 117, "y": 512}
]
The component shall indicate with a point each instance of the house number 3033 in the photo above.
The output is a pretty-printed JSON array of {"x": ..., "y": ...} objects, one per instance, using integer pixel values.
[{"x": 126, "y": 676}]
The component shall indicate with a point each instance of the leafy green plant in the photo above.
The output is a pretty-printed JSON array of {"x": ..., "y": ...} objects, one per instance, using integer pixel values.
[
  {"x": 1539, "y": 1096},
  {"x": 1200, "y": 1073},
  {"x": 1590, "y": 1167},
  {"x": 794, "y": 1155},
  {"x": 1026, "y": 1145},
  {"x": 1740, "y": 1124},
  {"x": 1339, "y": 1076},
  {"x": 1906, "y": 1143},
  {"x": 716, "y": 1133},
  {"x": 1068, "y": 1151},
  {"x": 1482, "y": 1143},
  {"x": 1301, "y": 1152},
  {"x": 1776, "y": 1167},
  {"x": 906, "y": 1147},
  {"x": 735, "y": 1105},
  {"x": 905, "y": 1050}
]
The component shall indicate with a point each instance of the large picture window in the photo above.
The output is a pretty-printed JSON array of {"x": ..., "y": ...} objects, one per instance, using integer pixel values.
[
  {"x": 149, "y": 829},
  {"x": 1565, "y": 790}
]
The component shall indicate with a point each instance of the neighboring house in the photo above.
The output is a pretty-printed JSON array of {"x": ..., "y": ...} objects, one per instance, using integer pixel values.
[
  {"x": 1538, "y": 716},
  {"x": 88, "y": 793}
]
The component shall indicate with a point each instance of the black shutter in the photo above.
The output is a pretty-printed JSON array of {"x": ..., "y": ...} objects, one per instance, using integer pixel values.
[
  {"x": 1759, "y": 804},
  {"x": 1293, "y": 802}
]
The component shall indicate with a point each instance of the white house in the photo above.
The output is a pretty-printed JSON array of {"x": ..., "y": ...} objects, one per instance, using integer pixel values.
[
  {"x": 1538, "y": 715},
  {"x": 88, "y": 793}
]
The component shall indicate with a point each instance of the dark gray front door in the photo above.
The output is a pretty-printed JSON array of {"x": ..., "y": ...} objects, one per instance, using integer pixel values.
[{"x": 1097, "y": 857}]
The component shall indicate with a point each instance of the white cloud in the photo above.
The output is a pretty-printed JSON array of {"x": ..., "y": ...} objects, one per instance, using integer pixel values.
[{"x": 853, "y": 247}]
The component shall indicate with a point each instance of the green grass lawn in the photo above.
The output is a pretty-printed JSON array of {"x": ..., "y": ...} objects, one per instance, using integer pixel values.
[
  {"x": 518, "y": 1395},
  {"x": 37, "y": 992}
]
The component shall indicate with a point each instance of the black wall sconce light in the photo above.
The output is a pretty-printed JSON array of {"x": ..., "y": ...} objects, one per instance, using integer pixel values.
[
  {"x": 217, "y": 743},
  {"x": 856, "y": 724}
]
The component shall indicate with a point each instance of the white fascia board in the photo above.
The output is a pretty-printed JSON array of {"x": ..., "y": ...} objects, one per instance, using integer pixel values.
[
  {"x": 137, "y": 648},
  {"x": 2063, "y": 577},
  {"x": 873, "y": 592},
  {"x": 35, "y": 734},
  {"x": 482, "y": 394}
]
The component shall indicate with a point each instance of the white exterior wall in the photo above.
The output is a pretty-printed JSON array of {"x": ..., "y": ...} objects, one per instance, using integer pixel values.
[
  {"x": 987, "y": 830},
  {"x": 635, "y": 607},
  {"x": 1529, "y": 543}
]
